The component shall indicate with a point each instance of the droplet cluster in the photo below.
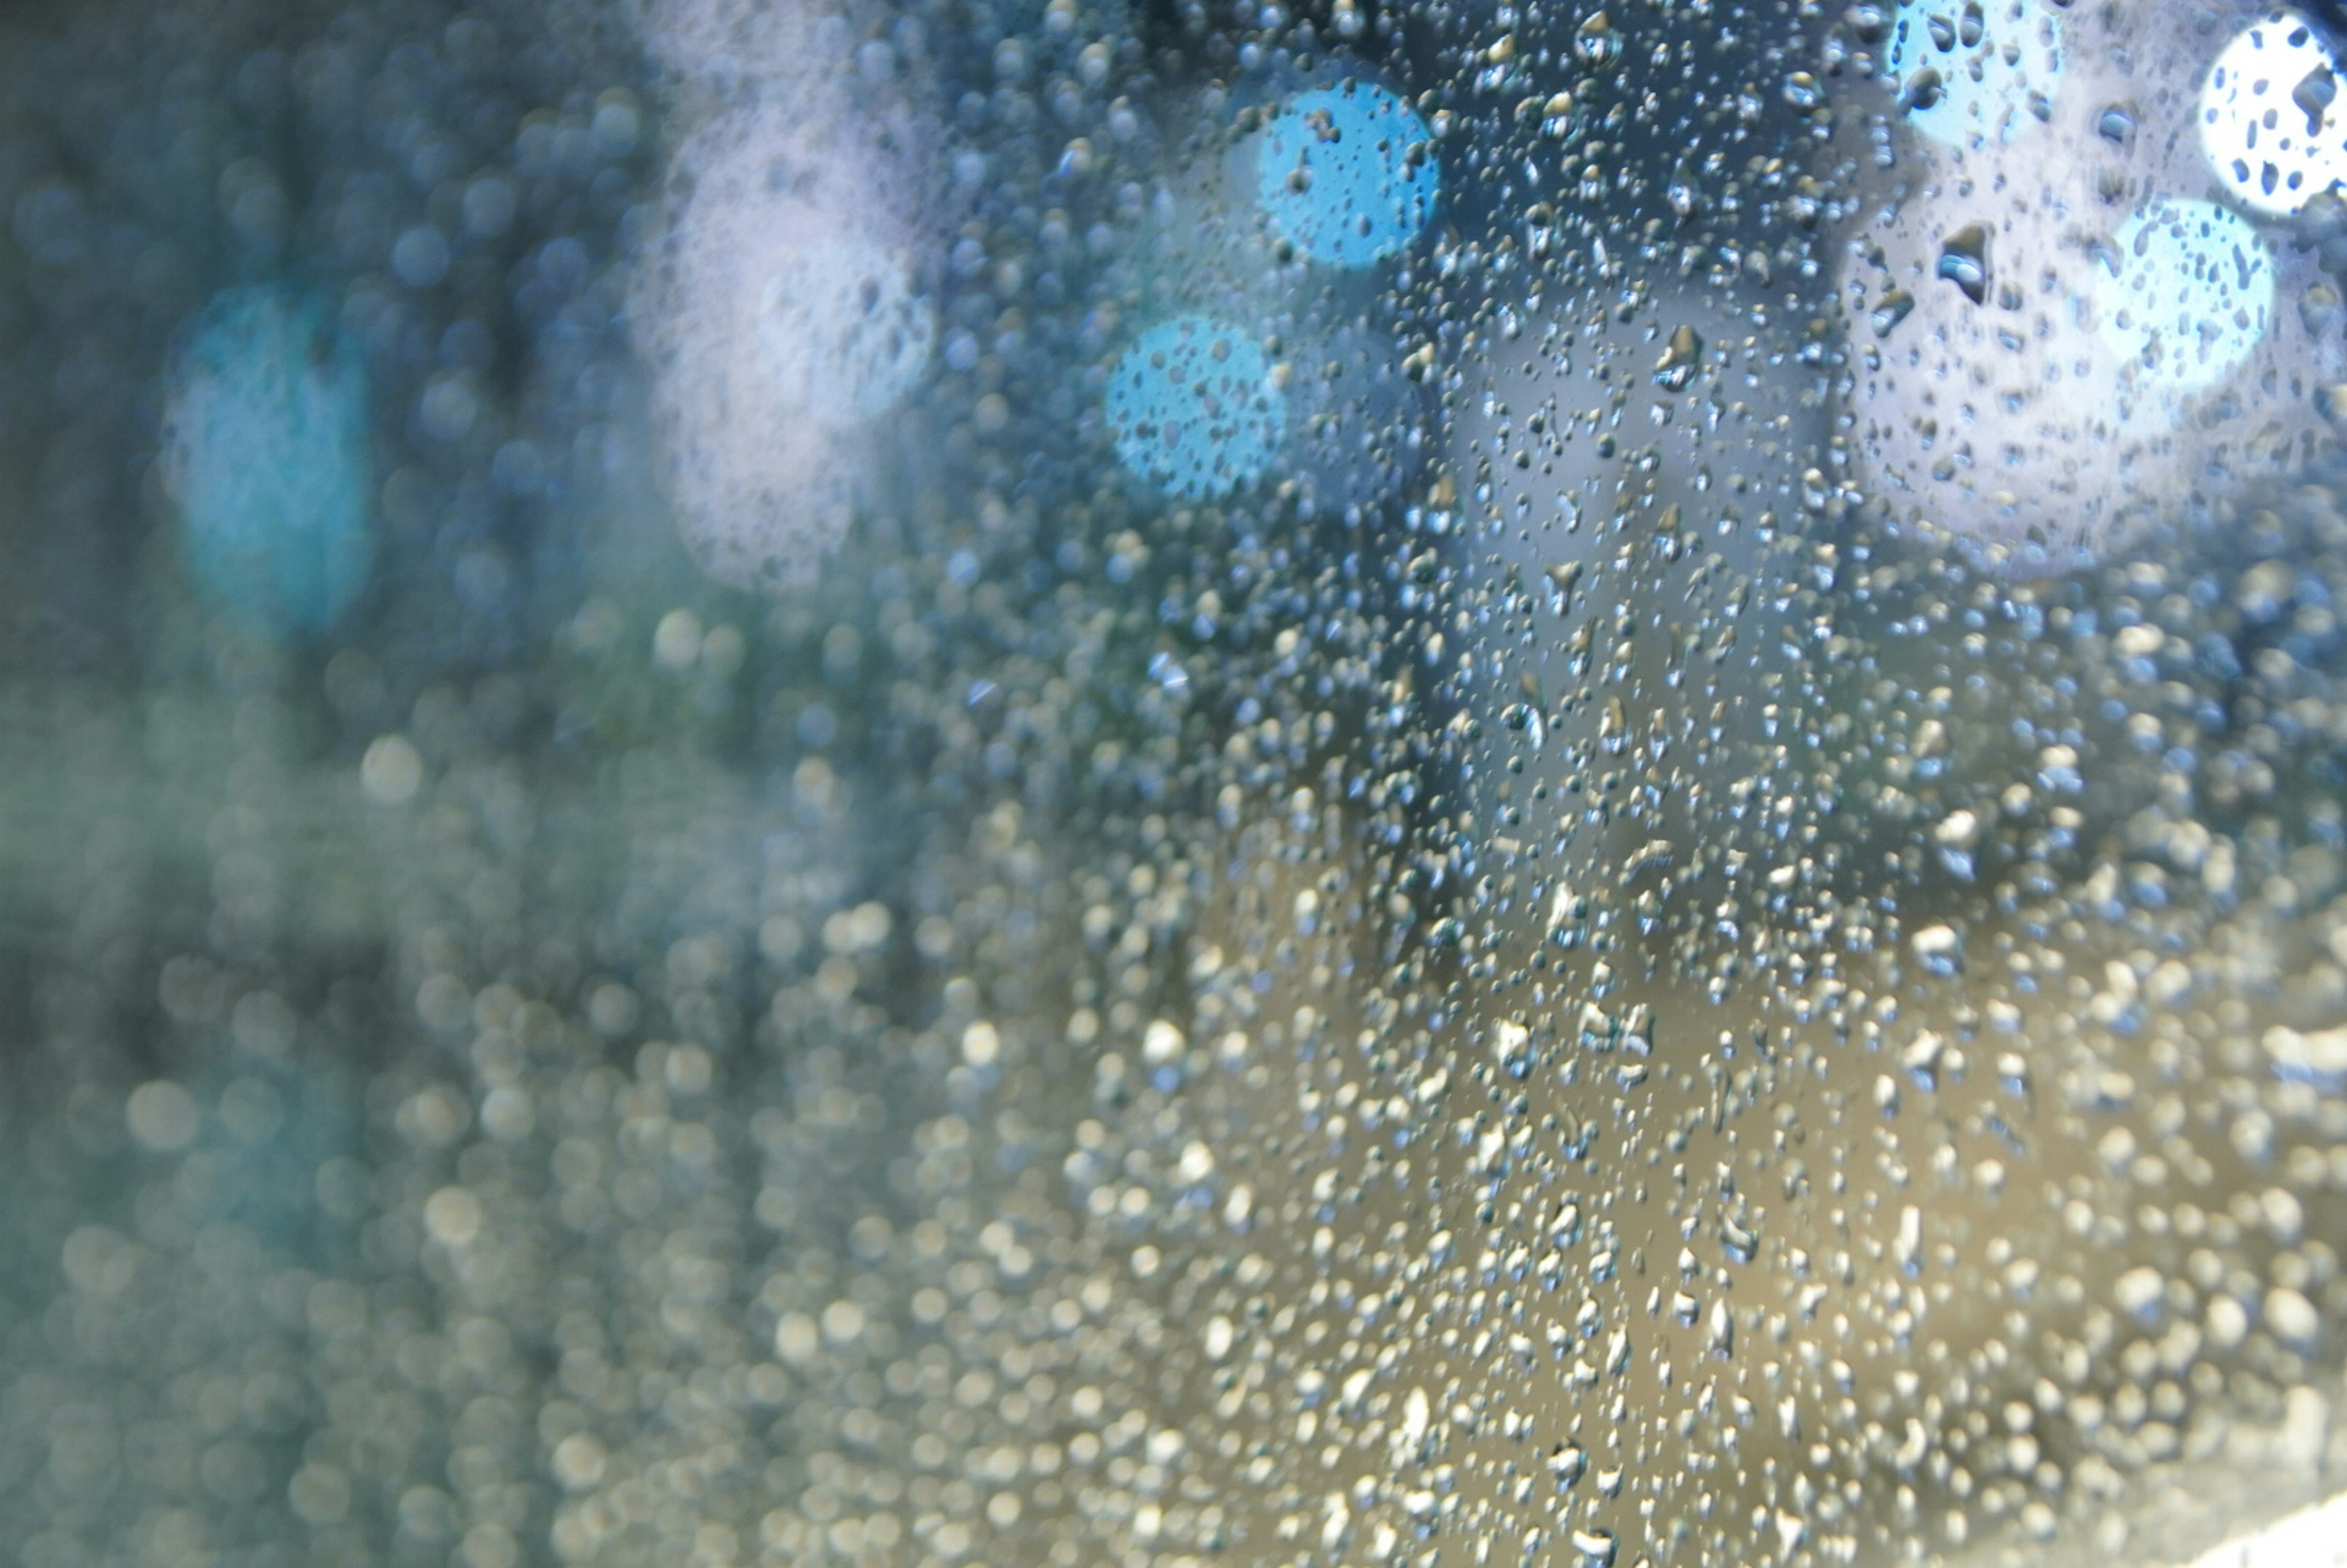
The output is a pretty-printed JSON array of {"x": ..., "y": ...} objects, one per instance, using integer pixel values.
[{"x": 1606, "y": 831}]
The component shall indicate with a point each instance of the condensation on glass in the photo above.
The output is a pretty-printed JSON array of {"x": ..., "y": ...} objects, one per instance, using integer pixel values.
[{"x": 1152, "y": 782}]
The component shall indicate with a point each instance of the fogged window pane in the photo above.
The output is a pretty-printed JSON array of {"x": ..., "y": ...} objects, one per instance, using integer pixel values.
[{"x": 971, "y": 782}]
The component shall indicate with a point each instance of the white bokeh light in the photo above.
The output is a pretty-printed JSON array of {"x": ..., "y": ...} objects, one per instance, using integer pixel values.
[
  {"x": 2188, "y": 295},
  {"x": 2312, "y": 1538},
  {"x": 1976, "y": 79},
  {"x": 783, "y": 321},
  {"x": 2271, "y": 123},
  {"x": 845, "y": 328}
]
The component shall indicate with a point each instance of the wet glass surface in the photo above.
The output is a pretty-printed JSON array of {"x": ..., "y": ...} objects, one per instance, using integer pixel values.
[{"x": 966, "y": 782}]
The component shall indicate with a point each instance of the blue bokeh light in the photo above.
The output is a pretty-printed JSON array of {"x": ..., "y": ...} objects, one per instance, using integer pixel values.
[
  {"x": 265, "y": 451},
  {"x": 1336, "y": 173},
  {"x": 1979, "y": 91},
  {"x": 1193, "y": 407},
  {"x": 2188, "y": 295}
]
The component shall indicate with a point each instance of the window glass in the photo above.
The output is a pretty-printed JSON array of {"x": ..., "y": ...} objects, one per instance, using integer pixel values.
[{"x": 1155, "y": 782}]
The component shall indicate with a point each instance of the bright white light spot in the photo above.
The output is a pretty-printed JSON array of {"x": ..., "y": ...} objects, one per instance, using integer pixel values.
[
  {"x": 2312, "y": 1538},
  {"x": 2186, "y": 294},
  {"x": 845, "y": 329},
  {"x": 2271, "y": 125},
  {"x": 1966, "y": 82},
  {"x": 783, "y": 320}
]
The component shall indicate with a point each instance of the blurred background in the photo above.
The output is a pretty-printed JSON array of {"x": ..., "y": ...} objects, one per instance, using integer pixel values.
[{"x": 981, "y": 782}]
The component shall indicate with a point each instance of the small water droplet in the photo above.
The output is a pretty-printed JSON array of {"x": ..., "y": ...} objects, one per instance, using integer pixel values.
[{"x": 1894, "y": 308}]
